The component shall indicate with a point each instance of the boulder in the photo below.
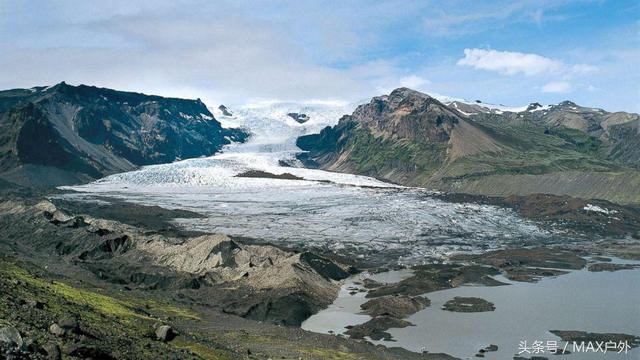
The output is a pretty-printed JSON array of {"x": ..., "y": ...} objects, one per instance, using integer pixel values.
[
  {"x": 165, "y": 333},
  {"x": 10, "y": 337},
  {"x": 56, "y": 330},
  {"x": 35, "y": 304},
  {"x": 53, "y": 351},
  {"x": 68, "y": 324}
]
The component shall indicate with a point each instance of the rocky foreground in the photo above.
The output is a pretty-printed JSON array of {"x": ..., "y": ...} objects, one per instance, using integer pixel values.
[
  {"x": 111, "y": 290},
  {"x": 120, "y": 281}
]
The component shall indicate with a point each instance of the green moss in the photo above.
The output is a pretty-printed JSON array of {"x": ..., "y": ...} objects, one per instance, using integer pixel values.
[
  {"x": 200, "y": 350},
  {"x": 374, "y": 155},
  {"x": 121, "y": 317},
  {"x": 331, "y": 354},
  {"x": 293, "y": 347},
  {"x": 167, "y": 309},
  {"x": 579, "y": 140},
  {"x": 124, "y": 308},
  {"x": 102, "y": 303}
]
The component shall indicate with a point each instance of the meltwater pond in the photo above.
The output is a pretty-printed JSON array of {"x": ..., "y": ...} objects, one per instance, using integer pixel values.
[
  {"x": 601, "y": 302},
  {"x": 356, "y": 215}
]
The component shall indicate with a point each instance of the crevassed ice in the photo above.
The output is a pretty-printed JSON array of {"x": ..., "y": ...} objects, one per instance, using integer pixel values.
[{"x": 355, "y": 214}]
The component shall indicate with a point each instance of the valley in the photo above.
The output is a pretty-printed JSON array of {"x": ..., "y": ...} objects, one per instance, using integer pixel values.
[{"x": 265, "y": 242}]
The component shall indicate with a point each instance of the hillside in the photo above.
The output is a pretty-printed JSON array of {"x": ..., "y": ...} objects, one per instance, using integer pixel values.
[
  {"x": 68, "y": 134},
  {"x": 413, "y": 139}
]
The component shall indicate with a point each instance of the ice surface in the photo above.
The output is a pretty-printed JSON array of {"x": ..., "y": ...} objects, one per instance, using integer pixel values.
[{"x": 342, "y": 212}]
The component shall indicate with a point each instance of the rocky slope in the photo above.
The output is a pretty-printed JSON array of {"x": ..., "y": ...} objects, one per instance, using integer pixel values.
[
  {"x": 615, "y": 136},
  {"x": 413, "y": 139},
  {"x": 68, "y": 134},
  {"x": 112, "y": 289},
  {"x": 254, "y": 281}
]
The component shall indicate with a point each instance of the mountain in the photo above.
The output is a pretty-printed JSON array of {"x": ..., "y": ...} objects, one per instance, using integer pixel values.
[
  {"x": 67, "y": 134},
  {"x": 615, "y": 135},
  {"x": 413, "y": 139}
]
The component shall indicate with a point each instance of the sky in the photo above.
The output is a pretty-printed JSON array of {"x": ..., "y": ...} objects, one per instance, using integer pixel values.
[{"x": 236, "y": 52}]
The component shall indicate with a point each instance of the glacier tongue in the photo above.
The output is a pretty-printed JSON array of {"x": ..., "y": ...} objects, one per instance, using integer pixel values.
[{"x": 352, "y": 214}]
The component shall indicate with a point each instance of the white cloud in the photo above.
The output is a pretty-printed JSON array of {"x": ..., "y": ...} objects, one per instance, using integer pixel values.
[
  {"x": 227, "y": 52},
  {"x": 509, "y": 62},
  {"x": 457, "y": 18},
  {"x": 557, "y": 87},
  {"x": 513, "y": 63},
  {"x": 174, "y": 52},
  {"x": 413, "y": 81},
  {"x": 583, "y": 69}
]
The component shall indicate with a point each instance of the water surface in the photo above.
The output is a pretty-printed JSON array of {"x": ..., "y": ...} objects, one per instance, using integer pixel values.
[{"x": 602, "y": 302}]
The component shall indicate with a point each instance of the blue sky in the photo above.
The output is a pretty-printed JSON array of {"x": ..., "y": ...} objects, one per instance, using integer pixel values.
[{"x": 509, "y": 52}]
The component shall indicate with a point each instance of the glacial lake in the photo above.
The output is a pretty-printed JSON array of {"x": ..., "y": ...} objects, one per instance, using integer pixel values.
[{"x": 581, "y": 300}]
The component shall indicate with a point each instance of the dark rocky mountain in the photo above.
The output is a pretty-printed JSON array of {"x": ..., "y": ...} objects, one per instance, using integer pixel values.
[
  {"x": 403, "y": 137},
  {"x": 66, "y": 134},
  {"x": 413, "y": 139},
  {"x": 301, "y": 118},
  {"x": 225, "y": 110}
]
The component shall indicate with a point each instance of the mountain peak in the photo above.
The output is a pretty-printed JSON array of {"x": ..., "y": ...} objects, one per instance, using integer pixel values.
[
  {"x": 404, "y": 97},
  {"x": 404, "y": 92},
  {"x": 88, "y": 132},
  {"x": 533, "y": 106},
  {"x": 568, "y": 103}
]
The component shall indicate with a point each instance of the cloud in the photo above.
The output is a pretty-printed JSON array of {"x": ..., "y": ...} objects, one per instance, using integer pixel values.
[
  {"x": 413, "y": 81},
  {"x": 232, "y": 52},
  {"x": 220, "y": 53},
  {"x": 557, "y": 87},
  {"x": 386, "y": 84},
  {"x": 508, "y": 62},
  {"x": 513, "y": 63},
  {"x": 583, "y": 69},
  {"x": 458, "y": 17}
]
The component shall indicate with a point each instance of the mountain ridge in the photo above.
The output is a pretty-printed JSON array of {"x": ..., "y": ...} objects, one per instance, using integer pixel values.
[
  {"x": 68, "y": 134},
  {"x": 491, "y": 152}
]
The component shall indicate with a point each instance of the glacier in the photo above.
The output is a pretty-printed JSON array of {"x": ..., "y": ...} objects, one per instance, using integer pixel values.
[{"x": 351, "y": 214}]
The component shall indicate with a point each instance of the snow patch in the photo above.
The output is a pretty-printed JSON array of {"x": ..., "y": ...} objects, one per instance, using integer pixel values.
[
  {"x": 541, "y": 108},
  {"x": 596, "y": 208},
  {"x": 497, "y": 108},
  {"x": 206, "y": 117},
  {"x": 185, "y": 116}
]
